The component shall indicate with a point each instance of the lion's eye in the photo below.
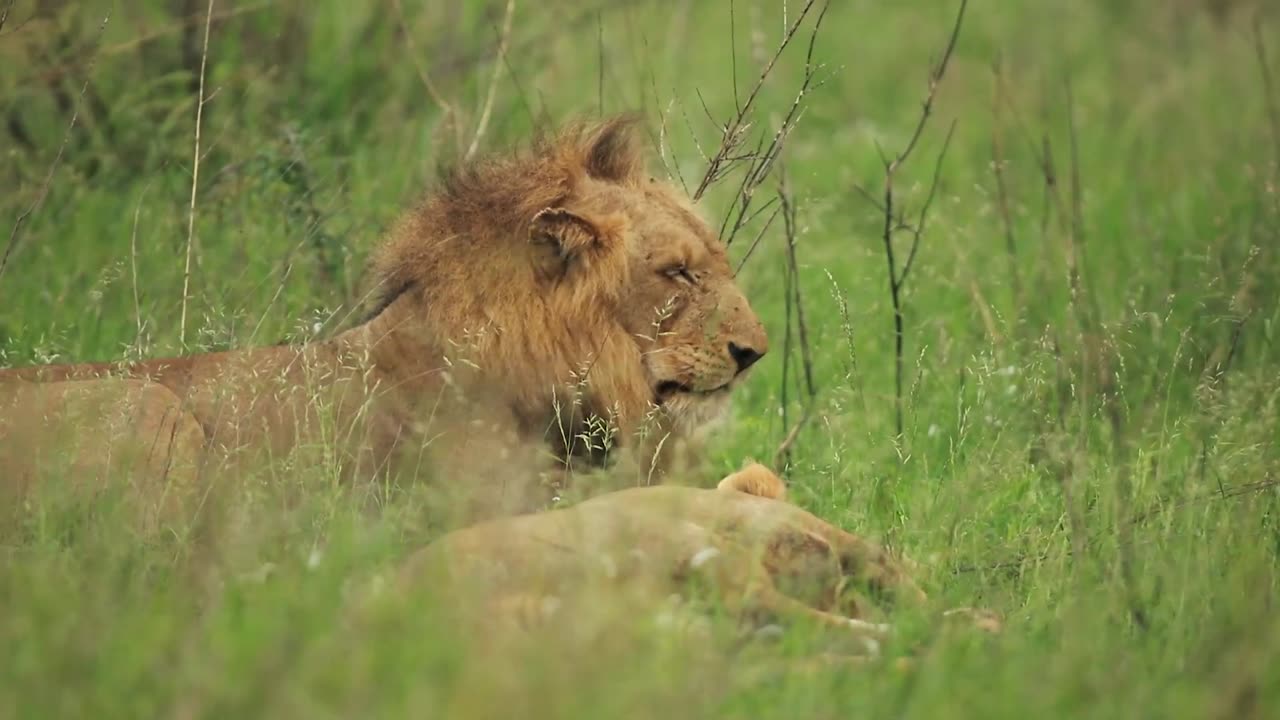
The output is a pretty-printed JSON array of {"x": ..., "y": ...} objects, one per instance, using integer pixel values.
[{"x": 681, "y": 273}]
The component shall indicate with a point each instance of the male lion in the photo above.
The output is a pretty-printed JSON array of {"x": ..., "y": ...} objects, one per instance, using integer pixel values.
[{"x": 529, "y": 297}]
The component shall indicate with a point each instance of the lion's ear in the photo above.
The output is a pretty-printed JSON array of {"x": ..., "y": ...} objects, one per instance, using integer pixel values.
[
  {"x": 562, "y": 238},
  {"x": 613, "y": 151},
  {"x": 562, "y": 232}
]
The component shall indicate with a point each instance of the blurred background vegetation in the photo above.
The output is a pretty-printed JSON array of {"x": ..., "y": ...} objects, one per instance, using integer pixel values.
[{"x": 1091, "y": 401}]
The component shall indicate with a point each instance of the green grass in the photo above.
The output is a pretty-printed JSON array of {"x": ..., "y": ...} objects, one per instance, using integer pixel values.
[{"x": 1085, "y": 466}]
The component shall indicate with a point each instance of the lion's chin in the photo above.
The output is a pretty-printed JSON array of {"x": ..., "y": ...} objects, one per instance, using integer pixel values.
[{"x": 693, "y": 411}]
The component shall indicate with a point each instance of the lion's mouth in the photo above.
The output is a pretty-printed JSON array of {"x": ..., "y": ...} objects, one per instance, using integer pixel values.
[{"x": 669, "y": 388}]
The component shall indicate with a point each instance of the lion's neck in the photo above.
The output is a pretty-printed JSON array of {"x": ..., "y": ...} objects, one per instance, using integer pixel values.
[
  {"x": 394, "y": 350},
  {"x": 545, "y": 398}
]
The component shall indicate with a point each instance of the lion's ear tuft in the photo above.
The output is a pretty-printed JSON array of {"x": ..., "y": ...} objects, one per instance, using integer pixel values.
[
  {"x": 755, "y": 479},
  {"x": 612, "y": 150}
]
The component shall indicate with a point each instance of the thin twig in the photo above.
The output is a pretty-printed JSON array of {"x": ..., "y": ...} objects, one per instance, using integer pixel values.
[
  {"x": 732, "y": 132},
  {"x": 923, "y": 217},
  {"x": 521, "y": 95},
  {"x": 483, "y": 123},
  {"x": 781, "y": 457},
  {"x": 754, "y": 243},
  {"x": 15, "y": 234},
  {"x": 195, "y": 182},
  {"x": 895, "y": 296},
  {"x": 450, "y": 113},
  {"x": 1002, "y": 189},
  {"x": 935, "y": 79},
  {"x": 761, "y": 160},
  {"x": 792, "y": 232},
  {"x": 673, "y": 169},
  {"x": 784, "y": 382},
  {"x": 795, "y": 302}
]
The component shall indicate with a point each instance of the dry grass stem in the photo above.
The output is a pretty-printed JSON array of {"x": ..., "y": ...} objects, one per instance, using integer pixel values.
[
  {"x": 195, "y": 182},
  {"x": 483, "y": 123}
]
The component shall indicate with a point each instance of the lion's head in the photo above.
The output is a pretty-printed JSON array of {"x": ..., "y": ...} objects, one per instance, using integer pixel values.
[{"x": 570, "y": 270}]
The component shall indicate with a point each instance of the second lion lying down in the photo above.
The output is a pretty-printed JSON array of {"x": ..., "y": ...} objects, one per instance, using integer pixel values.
[{"x": 763, "y": 559}]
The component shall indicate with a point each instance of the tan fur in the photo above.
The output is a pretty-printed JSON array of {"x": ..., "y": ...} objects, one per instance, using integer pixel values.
[
  {"x": 755, "y": 479},
  {"x": 764, "y": 558},
  {"x": 91, "y": 432},
  {"x": 530, "y": 292}
]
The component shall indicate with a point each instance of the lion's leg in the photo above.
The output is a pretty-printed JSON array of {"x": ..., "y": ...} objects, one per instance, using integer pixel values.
[
  {"x": 746, "y": 588},
  {"x": 96, "y": 434},
  {"x": 983, "y": 619},
  {"x": 769, "y": 599},
  {"x": 865, "y": 562}
]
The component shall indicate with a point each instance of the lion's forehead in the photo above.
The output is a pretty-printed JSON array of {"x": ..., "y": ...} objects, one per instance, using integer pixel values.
[{"x": 665, "y": 219}]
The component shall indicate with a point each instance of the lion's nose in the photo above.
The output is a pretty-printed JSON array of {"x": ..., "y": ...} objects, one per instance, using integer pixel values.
[{"x": 744, "y": 356}]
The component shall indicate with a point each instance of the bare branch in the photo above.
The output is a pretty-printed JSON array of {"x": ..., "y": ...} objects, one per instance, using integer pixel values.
[
  {"x": 935, "y": 79},
  {"x": 752, "y": 248},
  {"x": 760, "y": 161},
  {"x": 896, "y": 297},
  {"x": 794, "y": 307},
  {"x": 893, "y": 223},
  {"x": 734, "y": 130},
  {"x": 793, "y": 266},
  {"x": 924, "y": 209}
]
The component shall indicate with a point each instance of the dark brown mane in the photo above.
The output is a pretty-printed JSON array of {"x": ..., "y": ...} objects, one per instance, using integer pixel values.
[{"x": 493, "y": 198}]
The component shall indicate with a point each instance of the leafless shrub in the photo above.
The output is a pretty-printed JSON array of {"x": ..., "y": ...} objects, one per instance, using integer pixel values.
[
  {"x": 895, "y": 218},
  {"x": 756, "y": 160}
]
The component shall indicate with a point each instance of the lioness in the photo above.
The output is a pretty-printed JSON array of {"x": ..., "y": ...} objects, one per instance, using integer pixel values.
[
  {"x": 762, "y": 559},
  {"x": 529, "y": 294}
]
